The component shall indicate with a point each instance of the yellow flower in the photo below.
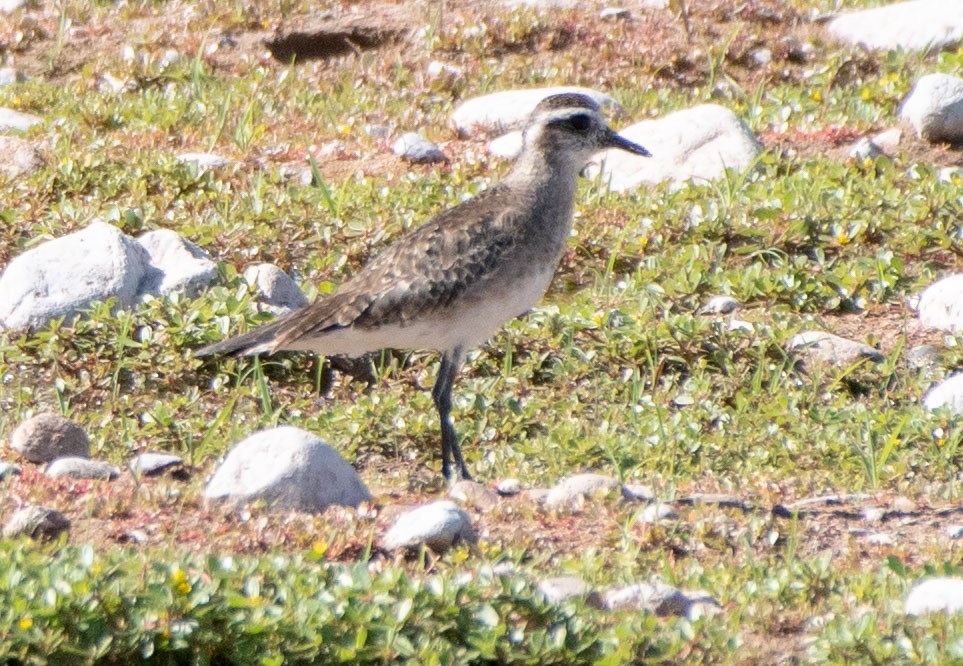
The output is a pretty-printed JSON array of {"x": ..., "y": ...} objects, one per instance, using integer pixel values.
[
  {"x": 816, "y": 96},
  {"x": 25, "y": 622},
  {"x": 865, "y": 94},
  {"x": 842, "y": 238},
  {"x": 179, "y": 582},
  {"x": 319, "y": 548}
]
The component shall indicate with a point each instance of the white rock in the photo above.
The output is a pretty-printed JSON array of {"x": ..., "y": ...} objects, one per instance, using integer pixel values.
[
  {"x": 935, "y": 595},
  {"x": 36, "y": 522},
  {"x": 279, "y": 294},
  {"x": 416, "y": 148},
  {"x": 8, "y": 469},
  {"x": 934, "y": 107},
  {"x": 954, "y": 531},
  {"x": 720, "y": 305},
  {"x": 438, "y": 525},
  {"x": 888, "y": 140},
  {"x": 174, "y": 264},
  {"x": 10, "y": 76},
  {"x": 615, "y": 13},
  {"x": 574, "y": 489},
  {"x": 653, "y": 513},
  {"x": 151, "y": 463},
  {"x": 661, "y": 599},
  {"x": 289, "y": 469},
  {"x": 48, "y": 436},
  {"x": 474, "y": 494},
  {"x": 948, "y": 393},
  {"x": 940, "y": 306},
  {"x": 437, "y": 69},
  {"x": 500, "y": 112},
  {"x": 508, "y": 487},
  {"x": 561, "y": 588},
  {"x": 693, "y": 144},
  {"x": 62, "y": 276},
  {"x": 741, "y": 326},
  {"x": 829, "y": 348},
  {"x": 507, "y": 146},
  {"x": 204, "y": 160},
  {"x": 81, "y": 468},
  {"x": 15, "y": 121},
  {"x": 911, "y": 26},
  {"x": 879, "y": 539},
  {"x": 18, "y": 156}
]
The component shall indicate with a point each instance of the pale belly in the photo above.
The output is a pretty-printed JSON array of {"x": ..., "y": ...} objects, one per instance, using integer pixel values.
[{"x": 469, "y": 323}]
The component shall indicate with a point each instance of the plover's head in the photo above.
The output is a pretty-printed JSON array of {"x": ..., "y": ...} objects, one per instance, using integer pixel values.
[{"x": 570, "y": 126}]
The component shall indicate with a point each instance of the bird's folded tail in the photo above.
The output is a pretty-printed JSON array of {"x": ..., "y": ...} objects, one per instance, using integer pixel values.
[{"x": 261, "y": 340}]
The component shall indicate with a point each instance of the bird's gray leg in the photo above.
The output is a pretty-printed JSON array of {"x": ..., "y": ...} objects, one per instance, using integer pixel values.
[{"x": 441, "y": 394}]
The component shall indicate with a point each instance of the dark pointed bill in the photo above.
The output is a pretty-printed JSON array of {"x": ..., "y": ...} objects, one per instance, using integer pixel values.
[{"x": 614, "y": 140}]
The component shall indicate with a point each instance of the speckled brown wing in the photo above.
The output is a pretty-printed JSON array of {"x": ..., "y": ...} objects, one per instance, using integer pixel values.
[{"x": 425, "y": 271}]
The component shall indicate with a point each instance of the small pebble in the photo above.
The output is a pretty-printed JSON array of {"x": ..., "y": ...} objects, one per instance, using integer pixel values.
[
  {"x": 415, "y": 148},
  {"x": 653, "y": 513}
]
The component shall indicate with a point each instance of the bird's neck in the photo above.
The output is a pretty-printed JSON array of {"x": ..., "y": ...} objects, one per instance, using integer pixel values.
[
  {"x": 551, "y": 174},
  {"x": 546, "y": 187}
]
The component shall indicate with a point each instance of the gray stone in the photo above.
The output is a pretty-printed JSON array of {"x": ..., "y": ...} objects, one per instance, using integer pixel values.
[
  {"x": 864, "y": 149},
  {"x": 152, "y": 464},
  {"x": 696, "y": 144},
  {"x": 720, "y": 305},
  {"x": 912, "y": 26},
  {"x": 204, "y": 160},
  {"x": 661, "y": 599},
  {"x": 934, "y": 107},
  {"x": 474, "y": 494},
  {"x": 508, "y": 487},
  {"x": 8, "y": 469},
  {"x": 940, "y": 306},
  {"x": 174, "y": 265},
  {"x": 637, "y": 492},
  {"x": 81, "y": 468},
  {"x": 562, "y": 588},
  {"x": 923, "y": 357},
  {"x": 48, "y": 436},
  {"x": 824, "y": 347},
  {"x": 289, "y": 469},
  {"x": 62, "y": 276},
  {"x": 416, "y": 148},
  {"x": 501, "y": 112},
  {"x": 278, "y": 293},
  {"x": 948, "y": 394},
  {"x": 935, "y": 595},
  {"x": 15, "y": 121},
  {"x": 572, "y": 491},
  {"x": 36, "y": 522},
  {"x": 438, "y": 525},
  {"x": 18, "y": 156}
]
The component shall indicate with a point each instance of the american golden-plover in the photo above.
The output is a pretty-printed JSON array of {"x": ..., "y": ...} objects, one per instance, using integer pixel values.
[{"x": 451, "y": 283}]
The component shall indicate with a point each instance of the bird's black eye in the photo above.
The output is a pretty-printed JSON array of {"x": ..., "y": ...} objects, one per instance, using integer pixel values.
[{"x": 580, "y": 122}]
